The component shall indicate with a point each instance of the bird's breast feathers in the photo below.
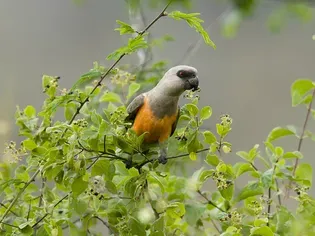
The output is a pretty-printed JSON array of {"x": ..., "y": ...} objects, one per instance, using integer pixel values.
[{"x": 159, "y": 129}]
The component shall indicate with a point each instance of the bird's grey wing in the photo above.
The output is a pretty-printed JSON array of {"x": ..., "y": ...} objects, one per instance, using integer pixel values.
[
  {"x": 175, "y": 123},
  {"x": 134, "y": 106}
]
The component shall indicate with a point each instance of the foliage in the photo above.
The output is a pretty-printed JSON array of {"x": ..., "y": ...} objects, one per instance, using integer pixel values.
[{"x": 69, "y": 175}]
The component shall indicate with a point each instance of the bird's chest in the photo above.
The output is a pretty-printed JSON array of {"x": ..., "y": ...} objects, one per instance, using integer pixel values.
[{"x": 158, "y": 127}]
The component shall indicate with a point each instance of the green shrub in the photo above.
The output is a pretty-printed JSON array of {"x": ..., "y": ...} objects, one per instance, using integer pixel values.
[{"x": 74, "y": 171}]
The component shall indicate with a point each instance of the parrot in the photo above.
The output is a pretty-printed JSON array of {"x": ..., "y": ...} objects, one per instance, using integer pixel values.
[{"x": 156, "y": 111}]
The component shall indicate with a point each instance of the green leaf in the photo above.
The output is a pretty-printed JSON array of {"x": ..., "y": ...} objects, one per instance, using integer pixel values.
[
  {"x": 78, "y": 186},
  {"x": 193, "y": 156},
  {"x": 154, "y": 178},
  {"x": 295, "y": 154},
  {"x": 284, "y": 220},
  {"x": 192, "y": 108},
  {"x": 124, "y": 28},
  {"x": 220, "y": 129},
  {"x": 158, "y": 226},
  {"x": 111, "y": 97},
  {"x": 133, "y": 88},
  {"x": 228, "y": 192},
  {"x": 193, "y": 213},
  {"x": 48, "y": 194},
  {"x": 278, "y": 132},
  {"x": 244, "y": 155},
  {"x": 279, "y": 151},
  {"x": 70, "y": 109},
  {"x": 261, "y": 231},
  {"x": 240, "y": 168},
  {"x": 251, "y": 189},
  {"x": 205, "y": 113},
  {"x": 80, "y": 206},
  {"x": 209, "y": 137},
  {"x": 111, "y": 187},
  {"x": 29, "y": 144},
  {"x": 304, "y": 173},
  {"x": 30, "y": 111},
  {"x": 212, "y": 160},
  {"x": 87, "y": 78},
  {"x": 252, "y": 154},
  {"x": 96, "y": 118},
  {"x": 175, "y": 210},
  {"x": 266, "y": 178},
  {"x": 134, "y": 44},
  {"x": 100, "y": 167},
  {"x": 136, "y": 227},
  {"x": 299, "y": 89},
  {"x": 194, "y": 22},
  {"x": 26, "y": 229}
]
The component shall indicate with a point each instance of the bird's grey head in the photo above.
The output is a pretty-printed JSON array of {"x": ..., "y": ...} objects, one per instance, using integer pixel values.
[{"x": 178, "y": 79}]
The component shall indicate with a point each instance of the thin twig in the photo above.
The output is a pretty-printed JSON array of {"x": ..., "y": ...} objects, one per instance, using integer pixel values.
[
  {"x": 301, "y": 140},
  {"x": 269, "y": 191},
  {"x": 41, "y": 192},
  {"x": 96, "y": 159},
  {"x": 75, "y": 221},
  {"x": 60, "y": 200},
  {"x": 210, "y": 202},
  {"x": 54, "y": 206},
  {"x": 163, "y": 13},
  {"x": 279, "y": 197},
  {"x": 14, "y": 226},
  {"x": 29, "y": 210},
  {"x": 104, "y": 223},
  {"x": 138, "y": 166},
  {"x": 255, "y": 168},
  {"x": 215, "y": 226},
  {"x": 7, "y": 208},
  {"x": 103, "y": 153},
  {"x": 18, "y": 195}
]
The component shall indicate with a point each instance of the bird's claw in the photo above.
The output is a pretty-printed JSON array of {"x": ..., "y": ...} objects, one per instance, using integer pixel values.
[
  {"x": 128, "y": 163},
  {"x": 162, "y": 159}
]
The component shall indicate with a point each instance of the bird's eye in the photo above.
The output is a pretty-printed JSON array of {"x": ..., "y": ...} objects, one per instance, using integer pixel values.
[{"x": 182, "y": 74}]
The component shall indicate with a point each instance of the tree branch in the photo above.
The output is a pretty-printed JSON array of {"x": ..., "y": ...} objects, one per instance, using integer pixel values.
[
  {"x": 138, "y": 166},
  {"x": 163, "y": 13},
  {"x": 18, "y": 195}
]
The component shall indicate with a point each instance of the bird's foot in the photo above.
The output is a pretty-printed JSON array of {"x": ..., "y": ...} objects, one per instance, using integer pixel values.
[
  {"x": 162, "y": 159},
  {"x": 128, "y": 163}
]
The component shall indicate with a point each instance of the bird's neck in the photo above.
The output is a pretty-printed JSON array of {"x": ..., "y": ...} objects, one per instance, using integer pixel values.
[{"x": 162, "y": 104}]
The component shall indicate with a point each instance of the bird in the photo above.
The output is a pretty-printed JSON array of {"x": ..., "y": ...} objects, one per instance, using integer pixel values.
[{"x": 156, "y": 112}]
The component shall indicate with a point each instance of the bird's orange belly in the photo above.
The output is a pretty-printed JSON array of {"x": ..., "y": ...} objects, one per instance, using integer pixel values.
[{"x": 158, "y": 129}]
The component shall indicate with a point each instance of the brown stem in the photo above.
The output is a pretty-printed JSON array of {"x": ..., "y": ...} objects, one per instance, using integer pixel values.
[{"x": 301, "y": 141}]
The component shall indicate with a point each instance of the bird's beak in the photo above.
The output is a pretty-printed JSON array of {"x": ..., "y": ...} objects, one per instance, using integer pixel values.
[{"x": 194, "y": 83}]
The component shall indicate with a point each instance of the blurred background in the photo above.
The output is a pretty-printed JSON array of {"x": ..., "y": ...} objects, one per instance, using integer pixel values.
[{"x": 260, "y": 52}]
